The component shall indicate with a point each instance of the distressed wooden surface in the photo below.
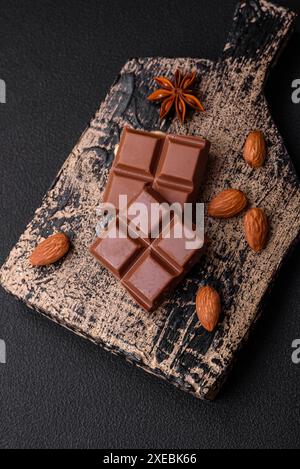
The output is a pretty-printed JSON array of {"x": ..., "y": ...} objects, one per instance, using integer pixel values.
[{"x": 80, "y": 295}]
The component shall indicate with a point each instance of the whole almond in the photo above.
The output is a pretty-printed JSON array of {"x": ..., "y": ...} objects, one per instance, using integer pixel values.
[
  {"x": 227, "y": 204},
  {"x": 256, "y": 229},
  {"x": 208, "y": 307},
  {"x": 50, "y": 250},
  {"x": 255, "y": 149}
]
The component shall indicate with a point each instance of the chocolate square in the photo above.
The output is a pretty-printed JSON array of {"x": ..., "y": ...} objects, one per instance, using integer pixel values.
[{"x": 149, "y": 279}]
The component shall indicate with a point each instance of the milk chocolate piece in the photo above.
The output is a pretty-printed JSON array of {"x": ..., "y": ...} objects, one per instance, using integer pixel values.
[
  {"x": 174, "y": 165},
  {"x": 149, "y": 268}
]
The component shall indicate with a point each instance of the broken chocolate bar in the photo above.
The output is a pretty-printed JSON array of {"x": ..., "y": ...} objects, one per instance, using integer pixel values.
[
  {"x": 174, "y": 165},
  {"x": 149, "y": 267}
]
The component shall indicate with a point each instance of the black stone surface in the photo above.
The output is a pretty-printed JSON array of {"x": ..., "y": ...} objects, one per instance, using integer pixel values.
[{"x": 58, "y": 60}]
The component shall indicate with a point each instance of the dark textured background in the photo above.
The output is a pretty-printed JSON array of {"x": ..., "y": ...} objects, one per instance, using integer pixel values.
[{"x": 58, "y": 59}]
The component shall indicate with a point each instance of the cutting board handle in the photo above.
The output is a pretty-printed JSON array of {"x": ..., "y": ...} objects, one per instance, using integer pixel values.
[{"x": 260, "y": 30}]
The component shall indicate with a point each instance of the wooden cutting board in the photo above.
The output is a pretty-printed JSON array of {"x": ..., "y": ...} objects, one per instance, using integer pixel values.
[{"x": 80, "y": 295}]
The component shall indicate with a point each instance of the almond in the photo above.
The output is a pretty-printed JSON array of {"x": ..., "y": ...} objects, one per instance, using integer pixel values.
[
  {"x": 227, "y": 204},
  {"x": 256, "y": 229},
  {"x": 255, "y": 149},
  {"x": 50, "y": 250},
  {"x": 208, "y": 307}
]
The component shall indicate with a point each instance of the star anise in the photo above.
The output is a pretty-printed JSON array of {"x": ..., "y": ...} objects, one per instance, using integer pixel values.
[{"x": 177, "y": 92}]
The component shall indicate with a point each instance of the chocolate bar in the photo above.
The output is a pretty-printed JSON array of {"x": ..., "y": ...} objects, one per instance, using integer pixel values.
[
  {"x": 174, "y": 165},
  {"x": 149, "y": 267}
]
